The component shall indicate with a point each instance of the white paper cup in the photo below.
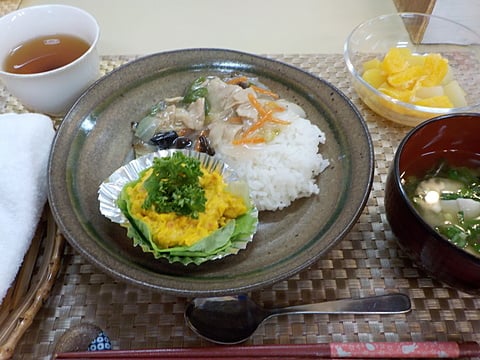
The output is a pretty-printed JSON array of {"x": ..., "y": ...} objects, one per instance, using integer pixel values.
[{"x": 52, "y": 92}]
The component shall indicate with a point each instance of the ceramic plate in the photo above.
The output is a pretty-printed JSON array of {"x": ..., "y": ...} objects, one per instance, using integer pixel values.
[{"x": 95, "y": 138}]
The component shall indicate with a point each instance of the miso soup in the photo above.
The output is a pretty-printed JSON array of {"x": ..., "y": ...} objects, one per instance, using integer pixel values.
[{"x": 447, "y": 196}]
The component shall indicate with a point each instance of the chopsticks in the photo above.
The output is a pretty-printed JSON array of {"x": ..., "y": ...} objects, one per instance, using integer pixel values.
[{"x": 373, "y": 350}]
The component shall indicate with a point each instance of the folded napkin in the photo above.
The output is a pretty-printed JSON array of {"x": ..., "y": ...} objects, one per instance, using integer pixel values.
[{"x": 25, "y": 142}]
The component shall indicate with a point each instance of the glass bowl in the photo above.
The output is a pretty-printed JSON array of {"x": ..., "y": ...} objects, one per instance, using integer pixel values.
[{"x": 422, "y": 34}]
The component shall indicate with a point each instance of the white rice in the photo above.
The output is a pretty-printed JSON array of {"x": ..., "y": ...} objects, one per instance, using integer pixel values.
[{"x": 283, "y": 170}]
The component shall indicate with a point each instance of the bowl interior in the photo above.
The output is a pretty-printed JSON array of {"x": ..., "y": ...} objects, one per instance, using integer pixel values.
[
  {"x": 95, "y": 139},
  {"x": 453, "y": 138}
]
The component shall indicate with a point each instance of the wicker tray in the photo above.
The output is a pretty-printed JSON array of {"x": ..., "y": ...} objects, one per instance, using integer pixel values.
[
  {"x": 32, "y": 285},
  {"x": 367, "y": 262}
]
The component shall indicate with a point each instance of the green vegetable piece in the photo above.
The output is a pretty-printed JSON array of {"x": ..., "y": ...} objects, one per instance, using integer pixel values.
[
  {"x": 174, "y": 186},
  {"x": 155, "y": 109},
  {"x": 455, "y": 234},
  {"x": 463, "y": 234},
  {"x": 195, "y": 91}
]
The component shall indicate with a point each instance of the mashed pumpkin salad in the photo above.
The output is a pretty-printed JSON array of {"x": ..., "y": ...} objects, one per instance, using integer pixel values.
[{"x": 187, "y": 209}]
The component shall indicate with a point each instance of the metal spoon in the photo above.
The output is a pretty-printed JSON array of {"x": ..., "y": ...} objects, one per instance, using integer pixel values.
[{"x": 233, "y": 319}]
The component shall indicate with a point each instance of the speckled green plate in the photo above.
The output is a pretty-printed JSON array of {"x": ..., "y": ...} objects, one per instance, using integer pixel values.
[{"x": 95, "y": 138}]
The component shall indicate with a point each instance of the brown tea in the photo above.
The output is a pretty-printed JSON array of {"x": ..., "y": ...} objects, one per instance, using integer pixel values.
[{"x": 44, "y": 53}]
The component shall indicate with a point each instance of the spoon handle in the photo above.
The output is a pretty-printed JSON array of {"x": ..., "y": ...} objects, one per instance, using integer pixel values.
[{"x": 382, "y": 304}]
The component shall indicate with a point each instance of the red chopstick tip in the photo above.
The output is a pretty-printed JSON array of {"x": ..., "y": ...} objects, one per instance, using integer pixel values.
[{"x": 469, "y": 349}]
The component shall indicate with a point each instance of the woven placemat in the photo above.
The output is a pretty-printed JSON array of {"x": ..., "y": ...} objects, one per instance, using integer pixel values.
[
  {"x": 7, "y": 6},
  {"x": 367, "y": 262}
]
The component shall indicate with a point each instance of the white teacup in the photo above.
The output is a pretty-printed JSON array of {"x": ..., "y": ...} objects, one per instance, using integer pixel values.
[{"x": 51, "y": 92}]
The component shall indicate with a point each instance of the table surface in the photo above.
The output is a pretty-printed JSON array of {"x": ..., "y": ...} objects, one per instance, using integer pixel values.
[
  {"x": 267, "y": 26},
  {"x": 367, "y": 262}
]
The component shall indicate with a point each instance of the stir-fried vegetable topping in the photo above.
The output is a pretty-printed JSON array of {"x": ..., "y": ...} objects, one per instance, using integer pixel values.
[
  {"x": 265, "y": 115},
  {"x": 251, "y": 110}
]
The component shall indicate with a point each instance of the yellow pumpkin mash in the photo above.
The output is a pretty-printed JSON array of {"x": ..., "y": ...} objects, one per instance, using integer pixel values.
[{"x": 169, "y": 229}]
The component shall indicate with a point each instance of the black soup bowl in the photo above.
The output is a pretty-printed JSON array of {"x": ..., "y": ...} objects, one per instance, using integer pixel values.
[{"x": 453, "y": 139}]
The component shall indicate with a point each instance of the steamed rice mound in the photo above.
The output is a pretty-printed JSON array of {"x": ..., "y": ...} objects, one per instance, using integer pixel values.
[{"x": 285, "y": 168}]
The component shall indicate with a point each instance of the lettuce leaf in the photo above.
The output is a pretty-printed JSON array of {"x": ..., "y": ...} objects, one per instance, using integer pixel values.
[{"x": 224, "y": 241}]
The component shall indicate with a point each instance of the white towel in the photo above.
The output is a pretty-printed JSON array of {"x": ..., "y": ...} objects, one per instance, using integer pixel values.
[{"x": 25, "y": 142}]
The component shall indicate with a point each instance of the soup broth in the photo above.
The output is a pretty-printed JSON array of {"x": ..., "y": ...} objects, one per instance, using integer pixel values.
[
  {"x": 447, "y": 196},
  {"x": 44, "y": 53}
]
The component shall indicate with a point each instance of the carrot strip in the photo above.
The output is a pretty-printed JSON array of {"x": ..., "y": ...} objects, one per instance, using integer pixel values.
[
  {"x": 237, "y": 80},
  {"x": 252, "y": 140},
  {"x": 264, "y": 117},
  {"x": 263, "y": 112},
  {"x": 263, "y": 91},
  {"x": 278, "y": 121},
  {"x": 272, "y": 105},
  {"x": 260, "y": 122},
  {"x": 254, "y": 102},
  {"x": 243, "y": 79}
]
